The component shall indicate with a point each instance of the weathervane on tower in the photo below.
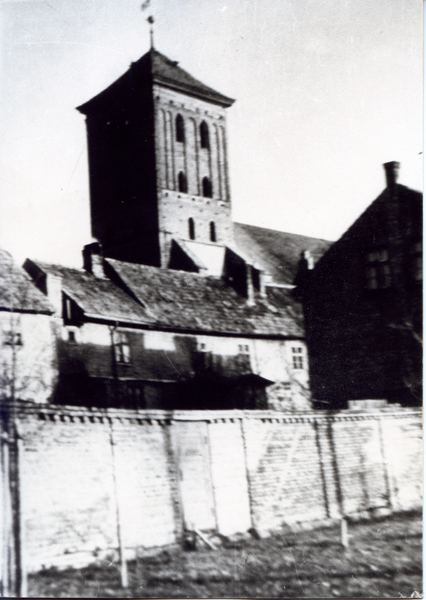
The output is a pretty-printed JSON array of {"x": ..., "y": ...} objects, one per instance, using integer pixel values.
[{"x": 150, "y": 20}]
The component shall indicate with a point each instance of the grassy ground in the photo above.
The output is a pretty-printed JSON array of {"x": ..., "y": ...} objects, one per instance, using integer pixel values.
[{"x": 383, "y": 560}]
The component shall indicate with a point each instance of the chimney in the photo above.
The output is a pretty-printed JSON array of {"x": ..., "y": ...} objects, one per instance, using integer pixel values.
[
  {"x": 250, "y": 286},
  {"x": 309, "y": 259},
  {"x": 93, "y": 261},
  {"x": 262, "y": 283},
  {"x": 54, "y": 292},
  {"x": 391, "y": 170}
]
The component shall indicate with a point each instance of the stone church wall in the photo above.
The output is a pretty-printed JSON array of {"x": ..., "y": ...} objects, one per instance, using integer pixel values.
[{"x": 88, "y": 474}]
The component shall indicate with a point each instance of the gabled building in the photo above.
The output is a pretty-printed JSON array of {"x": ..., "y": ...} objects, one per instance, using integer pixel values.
[
  {"x": 363, "y": 304},
  {"x": 177, "y": 306},
  {"x": 28, "y": 368}
]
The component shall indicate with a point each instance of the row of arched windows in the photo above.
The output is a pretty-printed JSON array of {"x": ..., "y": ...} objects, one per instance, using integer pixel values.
[
  {"x": 191, "y": 230},
  {"x": 204, "y": 132},
  {"x": 206, "y": 184}
]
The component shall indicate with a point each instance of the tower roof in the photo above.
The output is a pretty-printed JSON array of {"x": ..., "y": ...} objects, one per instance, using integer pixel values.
[{"x": 157, "y": 68}]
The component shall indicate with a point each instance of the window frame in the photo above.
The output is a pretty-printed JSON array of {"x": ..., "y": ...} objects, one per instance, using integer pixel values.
[
  {"x": 298, "y": 358},
  {"x": 122, "y": 348},
  {"x": 377, "y": 271}
]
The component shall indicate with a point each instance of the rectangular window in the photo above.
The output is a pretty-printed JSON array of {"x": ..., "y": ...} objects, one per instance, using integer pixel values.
[
  {"x": 378, "y": 272},
  {"x": 243, "y": 349},
  {"x": 135, "y": 396},
  {"x": 297, "y": 356},
  {"x": 122, "y": 347}
]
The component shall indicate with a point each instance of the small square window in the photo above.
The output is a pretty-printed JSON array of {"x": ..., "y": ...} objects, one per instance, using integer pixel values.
[
  {"x": 71, "y": 336},
  {"x": 12, "y": 338},
  {"x": 243, "y": 349}
]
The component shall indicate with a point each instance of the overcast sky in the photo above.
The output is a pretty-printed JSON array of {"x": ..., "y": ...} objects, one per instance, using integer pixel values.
[{"x": 326, "y": 91}]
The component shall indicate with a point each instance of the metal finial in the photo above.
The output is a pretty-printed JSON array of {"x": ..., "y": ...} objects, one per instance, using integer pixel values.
[{"x": 150, "y": 20}]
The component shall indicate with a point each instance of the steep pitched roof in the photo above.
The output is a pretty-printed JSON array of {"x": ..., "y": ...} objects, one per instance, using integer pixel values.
[
  {"x": 373, "y": 217},
  {"x": 99, "y": 298},
  {"x": 276, "y": 252},
  {"x": 166, "y": 72},
  {"x": 182, "y": 300},
  {"x": 157, "y": 68},
  {"x": 17, "y": 291}
]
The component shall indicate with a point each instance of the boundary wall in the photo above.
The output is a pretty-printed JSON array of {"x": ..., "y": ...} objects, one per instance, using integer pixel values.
[{"x": 94, "y": 480}]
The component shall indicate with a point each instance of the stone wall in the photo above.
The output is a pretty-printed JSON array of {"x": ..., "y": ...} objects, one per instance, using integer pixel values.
[{"x": 90, "y": 476}]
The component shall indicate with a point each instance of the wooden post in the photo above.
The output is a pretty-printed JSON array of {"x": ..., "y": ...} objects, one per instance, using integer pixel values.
[
  {"x": 121, "y": 546},
  {"x": 344, "y": 532}
]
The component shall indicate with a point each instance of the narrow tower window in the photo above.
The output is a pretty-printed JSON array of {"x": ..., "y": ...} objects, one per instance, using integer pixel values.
[
  {"x": 182, "y": 183},
  {"x": 204, "y": 135},
  {"x": 212, "y": 231},
  {"x": 180, "y": 129},
  {"x": 191, "y": 228},
  {"x": 207, "y": 187}
]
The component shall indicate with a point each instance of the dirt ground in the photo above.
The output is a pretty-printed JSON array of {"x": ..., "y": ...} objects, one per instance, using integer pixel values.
[{"x": 383, "y": 560}]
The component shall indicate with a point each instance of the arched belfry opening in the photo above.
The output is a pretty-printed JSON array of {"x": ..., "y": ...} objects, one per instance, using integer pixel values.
[
  {"x": 180, "y": 129},
  {"x": 207, "y": 188},
  {"x": 182, "y": 182},
  {"x": 191, "y": 228},
  {"x": 204, "y": 135}
]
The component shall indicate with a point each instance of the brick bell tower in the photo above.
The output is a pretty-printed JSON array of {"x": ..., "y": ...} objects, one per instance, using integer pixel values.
[{"x": 159, "y": 182}]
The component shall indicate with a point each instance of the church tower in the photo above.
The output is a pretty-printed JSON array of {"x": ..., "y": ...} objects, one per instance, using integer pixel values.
[{"x": 159, "y": 180}]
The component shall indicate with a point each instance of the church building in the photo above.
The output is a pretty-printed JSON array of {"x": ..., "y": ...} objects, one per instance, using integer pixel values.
[{"x": 177, "y": 306}]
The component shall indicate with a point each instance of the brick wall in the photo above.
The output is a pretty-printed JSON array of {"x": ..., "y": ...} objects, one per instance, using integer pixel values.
[{"x": 89, "y": 474}]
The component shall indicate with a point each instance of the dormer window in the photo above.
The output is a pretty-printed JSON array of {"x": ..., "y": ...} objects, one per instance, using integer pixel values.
[
  {"x": 212, "y": 231},
  {"x": 378, "y": 273},
  {"x": 207, "y": 188},
  {"x": 204, "y": 135},
  {"x": 180, "y": 129},
  {"x": 182, "y": 182},
  {"x": 191, "y": 228}
]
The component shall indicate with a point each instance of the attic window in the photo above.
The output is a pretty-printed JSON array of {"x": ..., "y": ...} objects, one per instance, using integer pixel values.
[
  {"x": 180, "y": 129},
  {"x": 204, "y": 135},
  {"x": 191, "y": 229},
  {"x": 212, "y": 231},
  {"x": 207, "y": 187},
  {"x": 122, "y": 347},
  {"x": 378, "y": 273},
  {"x": 297, "y": 355},
  {"x": 182, "y": 183}
]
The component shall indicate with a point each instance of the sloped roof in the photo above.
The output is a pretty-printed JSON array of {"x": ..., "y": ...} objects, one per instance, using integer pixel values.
[
  {"x": 167, "y": 72},
  {"x": 276, "y": 252},
  {"x": 97, "y": 297},
  {"x": 189, "y": 301},
  {"x": 158, "y": 69},
  {"x": 17, "y": 291}
]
